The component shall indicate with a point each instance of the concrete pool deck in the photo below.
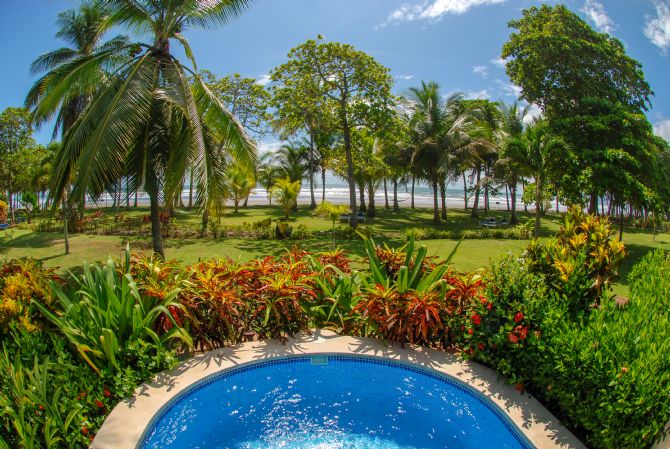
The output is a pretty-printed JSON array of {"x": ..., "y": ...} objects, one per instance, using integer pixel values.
[{"x": 125, "y": 426}]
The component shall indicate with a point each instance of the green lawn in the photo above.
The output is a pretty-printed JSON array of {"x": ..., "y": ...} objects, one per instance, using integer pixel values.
[{"x": 472, "y": 254}]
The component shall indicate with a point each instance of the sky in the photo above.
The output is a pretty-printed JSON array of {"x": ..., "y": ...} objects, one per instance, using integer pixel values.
[{"x": 454, "y": 42}]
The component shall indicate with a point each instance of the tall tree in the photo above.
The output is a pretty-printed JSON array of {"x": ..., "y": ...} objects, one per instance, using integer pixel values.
[
  {"x": 564, "y": 66},
  {"x": 83, "y": 29},
  {"x": 15, "y": 136},
  {"x": 349, "y": 83},
  {"x": 537, "y": 153},
  {"x": 148, "y": 121},
  {"x": 511, "y": 132}
]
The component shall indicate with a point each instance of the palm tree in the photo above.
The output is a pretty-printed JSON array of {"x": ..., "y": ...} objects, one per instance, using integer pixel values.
[
  {"x": 534, "y": 153},
  {"x": 268, "y": 174},
  {"x": 286, "y": 193},
  {"x": 293, "y": 160},
  {"x": 153, "y": 117},
  {"x": 83, "y": 30},
  {"x": 508, "y": 168},
  {"x": 439, "y": 130},
  {"x": 240, "y": 183}
]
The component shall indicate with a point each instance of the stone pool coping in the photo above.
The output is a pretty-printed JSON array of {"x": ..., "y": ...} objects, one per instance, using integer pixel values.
[{"x": 124, "y": 427}]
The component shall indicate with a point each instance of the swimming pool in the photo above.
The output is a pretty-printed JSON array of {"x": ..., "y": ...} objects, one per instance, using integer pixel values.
[{"x": 331, "y": 402}]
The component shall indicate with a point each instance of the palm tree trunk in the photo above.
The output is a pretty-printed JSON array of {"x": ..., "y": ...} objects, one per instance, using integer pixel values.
[
  {"x": 312, "y": 204},
  {"x": 246, "y": 200},
  {"x": 412, "y": 200},
  {"x": 396, "y": 207},
  {"x": 475, "y": 206},
  {"x": 513, "y": 220},
  {"x": 323, "y": 185},
  {"x": 361, "y": 193},
  {"x": 190, "y": 189},
  {"x": 205, "y": 221},
  {"x": 486, "y": 188},
  {"x": 621, "y": 224},
  {"x": 538, "y": 211},
  {"x": 127, "y": 193},
  {"x": 593, "y": 204},
  {"x": 443, "y": 191},
  {"x": 156, "y": 235},
  {"x": 386, "y": 196},
  {"x": 135, "y": 199},
  {"x": 66, "y": 218},
  {"x": 507, "y": 196},
  {"x": 371, "y": 201},
  {"x": 436, "y": 210},
  {"x": 350, "y": 172},
  {"x": 465, "y": 191}
]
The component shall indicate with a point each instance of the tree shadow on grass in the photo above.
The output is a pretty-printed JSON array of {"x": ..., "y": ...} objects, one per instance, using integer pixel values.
[{"x": 32, "y": 240}]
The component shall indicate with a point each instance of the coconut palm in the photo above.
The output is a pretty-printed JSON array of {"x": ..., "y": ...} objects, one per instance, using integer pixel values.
[
  {"x": 293, "y": 159},
  {"x": 268, "y": 174},
  {"x": 440, "y": 129},
  {"x": 240, "y": 182},
  {"x": 511, "y": 133},
  {"x": 534, "y": 153},
  {"x": 286, "y": 193},
  {"x": 83, "y": 29},
  {"x": 153, "y": 117}
]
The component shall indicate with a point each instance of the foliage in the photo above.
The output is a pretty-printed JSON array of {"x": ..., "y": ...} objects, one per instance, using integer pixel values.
[
  {"x": 150, "y": 121},
  {"x": 21, "y": 282},
  {"x": 520, "y": 232},
  {"x": 104, "y": 314},
  {"x": 351, "y": 87},
  {"x": 332, "y": 212},
  {"x": 3, "y": 212},
  {"x": 286, "y": 193},
  {"x": 581, "y": 262}
]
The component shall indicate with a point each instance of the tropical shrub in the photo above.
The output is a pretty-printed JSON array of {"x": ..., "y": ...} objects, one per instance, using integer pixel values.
[
  {"x": 268, "y": 296},
  {"x": 611, "y": 375},
  {"x": 581, "y": 262},
  {"x": 21, "y": 282},
  {"x": 104, "y": 314},
  {"x": 520, "y": 232},
  {"x": 3, "y": 211}
]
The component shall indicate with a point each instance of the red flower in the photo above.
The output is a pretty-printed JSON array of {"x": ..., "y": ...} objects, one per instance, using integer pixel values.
[
  {"x": 513, "y": 338},
  {"x": 106, "y": 392},
  {"x": 518, "y": 317},
  {"x": 521, "y": 331},
  {"x": 41, "y": 407},
  {"x": 99, "y": 404},
  {"x": 471, "y": 331},
  {"x": 481, "y": 346},
  {"x": 476, "y": 319},
  {"x": 84, "y": 430}
]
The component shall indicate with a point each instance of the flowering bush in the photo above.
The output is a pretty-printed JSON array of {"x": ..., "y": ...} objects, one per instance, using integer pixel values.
[
  {"x": 3, "y": 212},
  {"x": 581, "y": 262},
  {"x": 22, "y": 281}
]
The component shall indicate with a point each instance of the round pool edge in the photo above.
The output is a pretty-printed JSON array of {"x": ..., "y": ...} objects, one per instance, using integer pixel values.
[{"x": 126, "y": 425}]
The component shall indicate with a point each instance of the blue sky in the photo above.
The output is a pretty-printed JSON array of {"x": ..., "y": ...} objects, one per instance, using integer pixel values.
[{"x": 454, "y": 42}]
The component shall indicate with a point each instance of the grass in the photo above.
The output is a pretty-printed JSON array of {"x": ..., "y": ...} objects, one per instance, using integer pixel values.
[{"x": 473, "y": 254}]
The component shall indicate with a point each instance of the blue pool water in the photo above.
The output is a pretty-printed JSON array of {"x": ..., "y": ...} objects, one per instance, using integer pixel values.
[{"x": 338, "y": 402}]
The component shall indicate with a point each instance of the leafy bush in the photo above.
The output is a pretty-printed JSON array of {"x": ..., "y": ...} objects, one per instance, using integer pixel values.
[
  {"x": 581, "y": 262},
  {"x": 621, "y": 393},
  {"x": 21, "y": 282},
  {"x": 3, "y": 211},
  {"x": 104, "y": 314},
  {"x": 520, "y": 232}
]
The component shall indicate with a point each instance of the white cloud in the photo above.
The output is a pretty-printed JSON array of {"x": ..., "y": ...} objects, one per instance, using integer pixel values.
[
  {"x": 478, "y": 94},
  {"x": 434, "y": 9},
  {"x": 509, "y": 89},
  {"x": 662, "y": 129},
  {"x": 268, "y": 147},
  {"x": 499, "y": 62},
  {"x": 404, "y": 77},
  {"x": 596, "y": 12},
  {"x": 264, "y": 79},
  {"x": 533, "y": 113},
  {"x": 481, "y": 70},
  {"x": 657, "y": 29}
]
